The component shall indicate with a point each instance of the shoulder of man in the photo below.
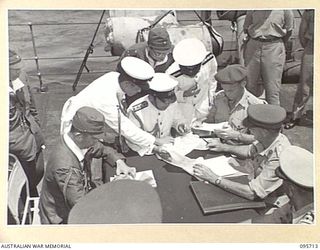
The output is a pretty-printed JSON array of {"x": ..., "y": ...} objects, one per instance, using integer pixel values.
[
  {"x": 139, "y": 104},
  {"x": 208, "y": 58},
  {"x": 252, "y": 99},
  {"x": 136, "y": 50}
]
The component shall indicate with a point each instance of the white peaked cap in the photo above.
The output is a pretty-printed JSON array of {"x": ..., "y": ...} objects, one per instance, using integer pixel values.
[
  {"x": 162, "y": 82},
  {"x": 189, "y": 52},
  {"x": 137, "y": 68},
  {"x": 297, "y": 164}
]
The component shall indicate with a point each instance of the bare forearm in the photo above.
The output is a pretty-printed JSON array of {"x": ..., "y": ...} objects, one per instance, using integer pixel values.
[
  {"x": 241, "y": 151},
  {"x": 237, "y": 188}
]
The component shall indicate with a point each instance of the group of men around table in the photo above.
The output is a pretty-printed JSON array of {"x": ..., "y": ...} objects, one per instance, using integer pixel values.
[{"x": 159, "y": 90}]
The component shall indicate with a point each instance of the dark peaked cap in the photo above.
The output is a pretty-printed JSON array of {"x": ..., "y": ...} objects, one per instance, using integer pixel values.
[
  {"x": 265, "y": 116},
  {"x": 120, "y": 201}
]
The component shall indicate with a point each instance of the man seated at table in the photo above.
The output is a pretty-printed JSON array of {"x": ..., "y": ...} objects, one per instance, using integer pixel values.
[
  {"x": 67, "y": 174},
  {"x": 264, "y": 122},
  {"x": 296, "y": 171},
  {"x": 158, "y": 112},
  {"x": 231, "y": 104}
]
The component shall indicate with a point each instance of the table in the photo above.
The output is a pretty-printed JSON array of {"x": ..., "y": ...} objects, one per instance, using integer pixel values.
[{"x": 173, "y": 185}]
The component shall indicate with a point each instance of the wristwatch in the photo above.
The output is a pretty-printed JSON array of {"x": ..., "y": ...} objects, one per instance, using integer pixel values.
[{"x": 218, "y": 181}]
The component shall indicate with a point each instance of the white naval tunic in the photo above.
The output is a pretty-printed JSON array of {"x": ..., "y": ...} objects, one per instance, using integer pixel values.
[
  {"x": 104, "y": 94},
  {"x": 152, "y": 120}
]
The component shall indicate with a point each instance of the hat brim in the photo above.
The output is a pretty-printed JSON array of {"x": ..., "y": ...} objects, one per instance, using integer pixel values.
[{"x": 18, "y": 65}]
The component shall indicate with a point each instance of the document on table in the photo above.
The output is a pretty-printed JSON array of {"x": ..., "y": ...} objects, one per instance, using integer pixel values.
[
  {"x": 211, "y": 126},
  {"x": 146, "y": 176},
  {"x": 223, "y": 166},
  {"x": 185, "y": 144}
]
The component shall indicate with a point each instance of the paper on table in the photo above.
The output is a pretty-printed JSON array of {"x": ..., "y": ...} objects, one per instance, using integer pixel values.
[
  {"x": 221, "y": 166},
  {"x": 211, "y": 126},
  {"x": 146, "y": 176},
  {"x": 185, "y": 144}
]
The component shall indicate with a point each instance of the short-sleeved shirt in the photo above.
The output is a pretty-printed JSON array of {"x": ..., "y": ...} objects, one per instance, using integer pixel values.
[
  {"x": 268, "y": 23},
  {"x": 220, "y": 110},
  {"x": 267, "y": 161}
]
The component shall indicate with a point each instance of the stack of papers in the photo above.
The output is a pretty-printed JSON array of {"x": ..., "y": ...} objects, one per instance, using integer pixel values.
[
  {"x": 211, "y": 126},
  {"x": 146, "y": 176}
]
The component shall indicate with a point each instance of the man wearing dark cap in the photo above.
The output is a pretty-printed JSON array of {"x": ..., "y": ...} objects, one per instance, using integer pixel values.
[
  {"x": 25, "y": 137},
  {"x": 67, "y": 175},
  {"x": 158, "y": 112},
  {"x": 231, "y": 104},
  {"x": 157, "y": 51},
  {"x": 121, "y": 201},
  {"x": 194, "y": 68},
  {"x": 296, "y": 171},
  {"x": 110, "y": 95},
  {"x": 264, "y": 122}
]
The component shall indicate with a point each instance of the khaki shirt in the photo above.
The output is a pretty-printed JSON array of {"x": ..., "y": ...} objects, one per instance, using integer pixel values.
[
  {"x": 220, "y": 110},
  {"x": 266, "y": 163},
  {"x": 268, "y": 23}
]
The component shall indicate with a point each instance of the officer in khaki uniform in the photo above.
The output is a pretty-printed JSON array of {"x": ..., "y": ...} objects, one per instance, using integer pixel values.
[
  {"x": 297, "y": 171},
  {"x": 264, "y": 122},
  {"x": 231, "y": 104},
  {"x": 158, "y": 112},
  {"x": 264, "y": 53},
  {"x": 194, "y": 68}
]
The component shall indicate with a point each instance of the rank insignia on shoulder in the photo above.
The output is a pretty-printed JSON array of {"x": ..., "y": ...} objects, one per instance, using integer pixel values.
[{"x": 140, "y": 106}]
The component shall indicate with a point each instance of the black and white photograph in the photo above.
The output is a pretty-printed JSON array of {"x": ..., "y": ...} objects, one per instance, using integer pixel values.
[{"x": 160, "y": 117}]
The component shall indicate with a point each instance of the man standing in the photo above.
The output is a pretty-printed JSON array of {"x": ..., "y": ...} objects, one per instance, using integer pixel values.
[
  {"x": 157, "y": 51},
  {"x": 306, "y": 37},
  {"x": 110, "y": 94},
  {"x": 67, "y": 175},
  {"x": 158, "y": 112},
  {"x": 194, "y": 68},
  {"x": 231, "y": 104},
  {"x": 264, "y": 122},
  {"x": 25, "y": 137},
  {"x": 264, "y": 53}
]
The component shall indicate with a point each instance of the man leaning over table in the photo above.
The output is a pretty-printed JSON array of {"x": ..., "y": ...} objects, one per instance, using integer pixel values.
[
  {"x": 109, "y": 94},
  {"x": 231, "y": 104},
  {"x": 158, "y": 112},
  {"x": 264, "y": 122}
]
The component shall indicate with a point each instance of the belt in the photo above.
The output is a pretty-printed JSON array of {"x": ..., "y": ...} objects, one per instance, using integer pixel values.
[{"x": 262, "y": 39}]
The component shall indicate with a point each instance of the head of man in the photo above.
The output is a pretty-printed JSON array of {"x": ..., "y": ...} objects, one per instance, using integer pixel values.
[
  {"x": 15, "y": 65},
  {"x": 123, "y": 201},
  {"x": 134, "y": 75},
  {"x": 88, "y": 127},
  {"x": 161, "y": 93},
  {"x": 265, "y": 121},
  {"x": 159, "y": 44},
  {"x": 296, "y": 170},
  {"x": 189, "y": 54},
  {"x": 232, "y": 80}
]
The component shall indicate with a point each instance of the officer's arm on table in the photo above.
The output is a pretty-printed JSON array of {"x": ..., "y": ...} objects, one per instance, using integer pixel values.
[{"x": 69, "y": 180}]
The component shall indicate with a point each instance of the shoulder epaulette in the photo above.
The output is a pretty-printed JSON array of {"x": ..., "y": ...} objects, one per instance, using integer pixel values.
[
  {"x": 140, "y": 106},
  {"x": 208, "y": 57}
]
